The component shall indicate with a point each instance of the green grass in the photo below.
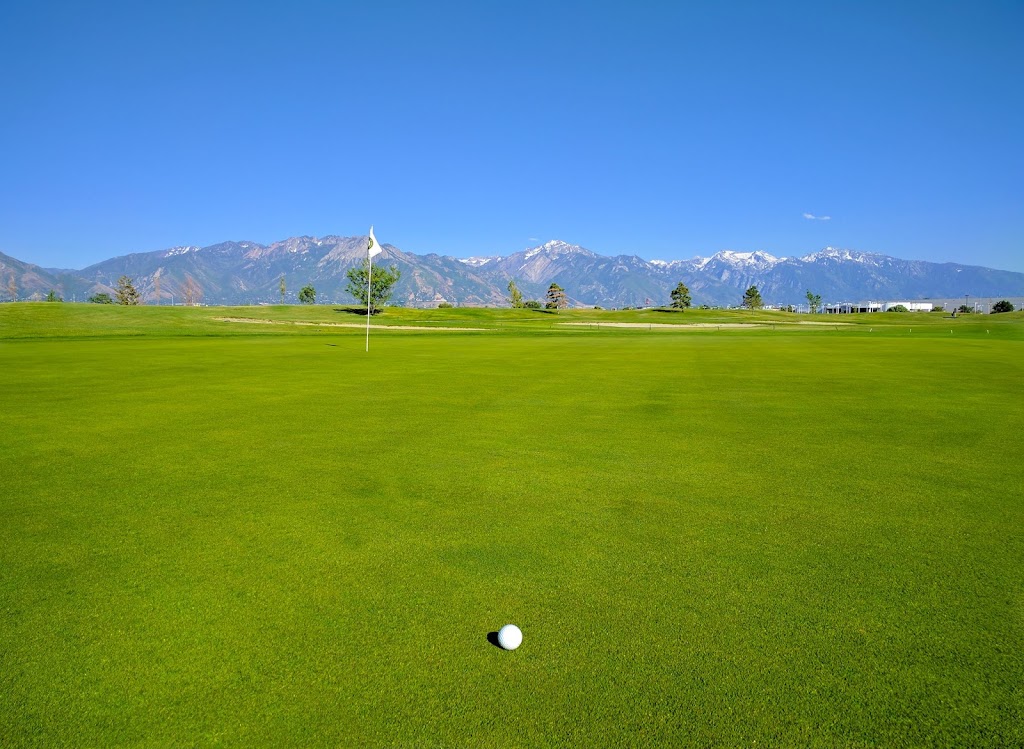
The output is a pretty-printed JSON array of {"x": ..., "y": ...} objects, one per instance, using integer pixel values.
[
  {"x": 260, "y": 535},
  {"x": 41, "y": 320}
]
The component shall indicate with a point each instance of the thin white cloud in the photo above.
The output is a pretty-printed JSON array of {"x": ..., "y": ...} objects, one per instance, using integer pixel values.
[
  {"x": 812, "y": 217},
  {"x": 533, "y": 239}
]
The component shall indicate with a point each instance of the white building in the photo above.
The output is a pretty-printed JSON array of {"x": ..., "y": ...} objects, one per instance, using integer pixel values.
[
  {"x": 846, "y": 308},
  {"x": 911, "y": 306}
]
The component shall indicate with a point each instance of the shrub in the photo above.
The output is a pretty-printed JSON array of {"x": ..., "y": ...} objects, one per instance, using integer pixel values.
[
  {"x": 445, "y": 305},
  {"x": 531, "y": 304},
  {"x": 898, "y": 308},
  {"x": 1003, "y": 305}
]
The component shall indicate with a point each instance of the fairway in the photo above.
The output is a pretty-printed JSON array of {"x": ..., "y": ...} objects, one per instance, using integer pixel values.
[{"x": 217, "y": 533}]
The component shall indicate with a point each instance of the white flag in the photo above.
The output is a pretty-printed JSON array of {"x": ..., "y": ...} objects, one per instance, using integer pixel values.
[{"x": 373, "y": 246}]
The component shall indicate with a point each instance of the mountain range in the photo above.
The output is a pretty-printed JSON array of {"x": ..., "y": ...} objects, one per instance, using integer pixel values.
[{"x": 250, "y": 273}]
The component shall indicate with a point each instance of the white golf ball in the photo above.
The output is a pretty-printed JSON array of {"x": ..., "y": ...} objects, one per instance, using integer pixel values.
[{"x": 510, "y": 637}]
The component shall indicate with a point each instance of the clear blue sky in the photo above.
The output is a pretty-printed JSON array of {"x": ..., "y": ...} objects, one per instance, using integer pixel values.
[{"x": 662, "y": 129}]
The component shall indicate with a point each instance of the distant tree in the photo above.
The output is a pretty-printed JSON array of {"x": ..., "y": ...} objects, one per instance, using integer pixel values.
[
  {"x": 52, "y": 297},
  {"x": 556, "y": 297},
  {"x": 12, "y": 287},
  {"x": 752, "y": 298},
  {"x": 446, "y": 305},
  {"x": 307, "y": 295},
  {"x": 813, "y": 302},
  {"x": 680, "y": 296},
  {"x": 532, "y": 304},
  {"x": 191, "y": 290},
  {"x": 282, "y": 288},
  {"x": 898, "y": 308},
  {"x": 515, "y": 296},
  {"x": 156, "y": 286},
  {"x": 383, "y": 281},
  {"x": 963, "y": 309},
  {"x": 126, "y": 292},
  {"x": 101, "y": 298},
  {"x": 1003, "y": 305},
  {"x": 937, "y": 308}
]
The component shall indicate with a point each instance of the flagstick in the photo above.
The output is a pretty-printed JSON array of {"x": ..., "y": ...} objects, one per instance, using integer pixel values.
[{"x": 369, "y": 275}]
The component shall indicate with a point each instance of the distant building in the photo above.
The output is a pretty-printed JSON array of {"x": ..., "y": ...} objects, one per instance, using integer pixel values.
[
  {"x": 847, "y": 308},
  {"x": 912, "y": 306}
]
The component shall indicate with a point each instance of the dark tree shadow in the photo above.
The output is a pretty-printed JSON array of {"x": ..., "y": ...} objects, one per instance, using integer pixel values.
[
  {"x": 351, "y": 310},
  {"x": 492, "y": 637}
]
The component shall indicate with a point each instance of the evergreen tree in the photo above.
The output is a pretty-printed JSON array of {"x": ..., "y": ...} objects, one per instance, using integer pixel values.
[
  {"x": 126, "y": 292},
  {"x": 556, "y": 297},
  {"x": 680, "y": 296},
  {"x": 752, "y": 298}
]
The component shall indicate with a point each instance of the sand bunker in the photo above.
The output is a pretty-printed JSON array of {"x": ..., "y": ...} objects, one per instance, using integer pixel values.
[
  {"x": 757, "y": 324},
  {"x": 339, "y": 324}
]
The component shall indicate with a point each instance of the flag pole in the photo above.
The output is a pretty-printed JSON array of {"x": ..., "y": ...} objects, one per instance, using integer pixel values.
[
  {"x": 369, "y": 287},
  {"x": 372, "y": 248}
]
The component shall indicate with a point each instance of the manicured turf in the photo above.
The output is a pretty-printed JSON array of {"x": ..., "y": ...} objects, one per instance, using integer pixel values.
[{"x": 261, "y": 535}]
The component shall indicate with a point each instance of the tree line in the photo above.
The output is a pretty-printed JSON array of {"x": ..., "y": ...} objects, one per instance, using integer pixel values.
[
  {"x": 371, "y": 290},
  {"x": 374, "y": 290}
]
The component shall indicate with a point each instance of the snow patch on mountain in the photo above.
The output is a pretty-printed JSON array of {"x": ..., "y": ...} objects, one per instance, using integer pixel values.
[
  {"x": 838, "y": 255},
  {"x": 180, "y": 251}
]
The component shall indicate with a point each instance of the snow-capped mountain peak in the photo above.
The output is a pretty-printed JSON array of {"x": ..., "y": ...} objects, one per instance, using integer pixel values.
[
  {"x": 757, "y": 260},
  {"x": 476, "y": 262},
  {"x": 557, "y": 247},
  {"x": 836, "y": 254}
]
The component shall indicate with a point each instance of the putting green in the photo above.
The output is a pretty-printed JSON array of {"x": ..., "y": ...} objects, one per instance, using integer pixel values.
[{"x": 259, "y": 534}]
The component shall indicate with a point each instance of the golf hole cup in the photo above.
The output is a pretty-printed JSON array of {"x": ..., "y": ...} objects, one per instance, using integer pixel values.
[{"x": 510, "y": 637}]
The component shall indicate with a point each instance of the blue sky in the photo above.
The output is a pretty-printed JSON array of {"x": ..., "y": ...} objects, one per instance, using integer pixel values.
[{"x": 662, "y": 129}]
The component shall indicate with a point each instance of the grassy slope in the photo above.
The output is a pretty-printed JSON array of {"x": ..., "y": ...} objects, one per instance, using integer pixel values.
[
  {"x": 758, "y": 536},
  {"x": 42, "y": 320}
]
